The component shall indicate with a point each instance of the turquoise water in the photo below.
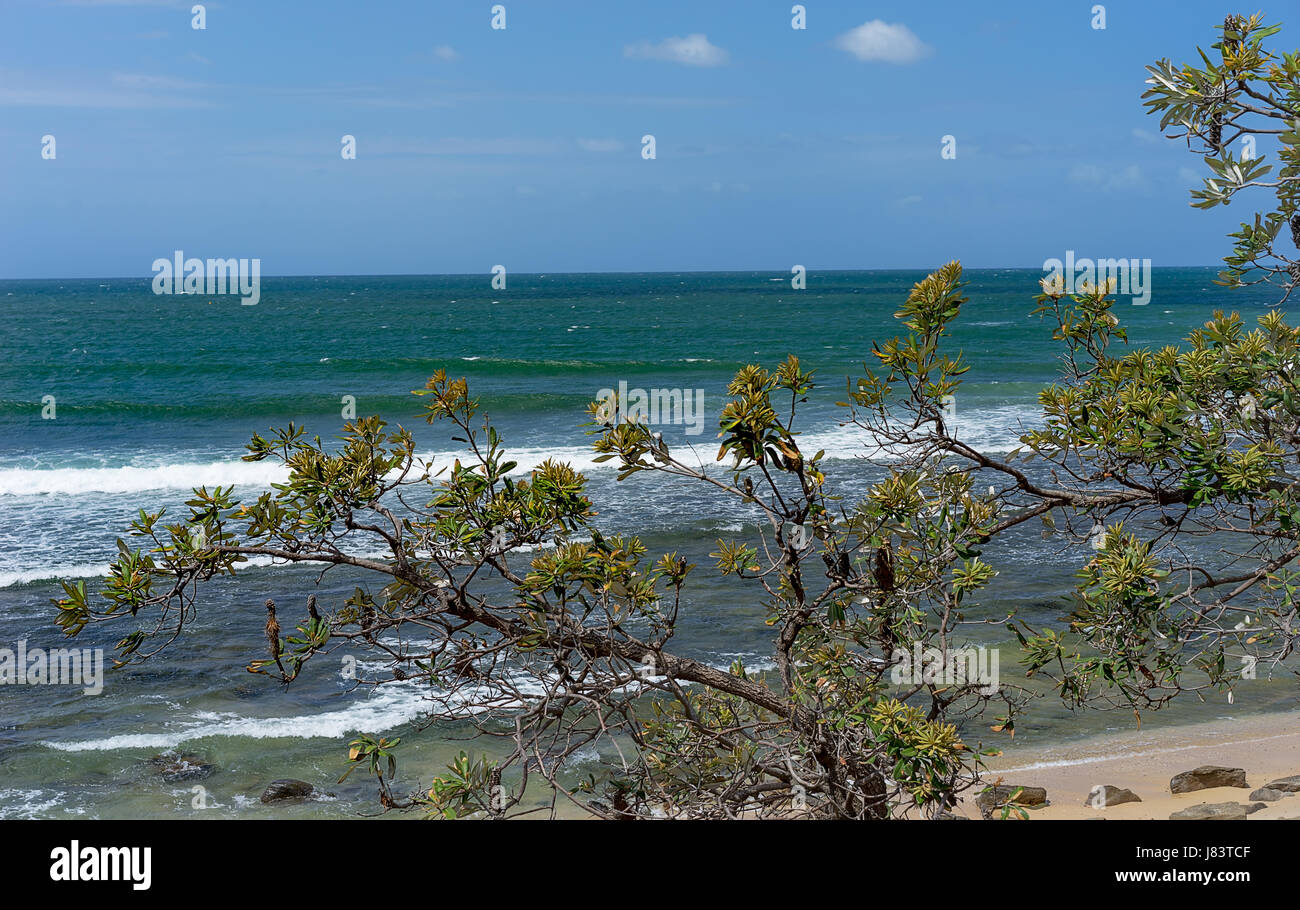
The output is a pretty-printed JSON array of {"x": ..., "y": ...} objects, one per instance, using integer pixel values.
[{"x": 155, "y": 394}]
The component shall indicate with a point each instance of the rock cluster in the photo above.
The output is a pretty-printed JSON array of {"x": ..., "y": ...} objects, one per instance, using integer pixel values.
[{"x": 1209, "y": 776}]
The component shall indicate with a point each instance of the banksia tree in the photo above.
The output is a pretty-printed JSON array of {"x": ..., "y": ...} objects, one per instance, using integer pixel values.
[
  {"x": 1242, "y": 92},
  {"x": 1176, "y": 466}
]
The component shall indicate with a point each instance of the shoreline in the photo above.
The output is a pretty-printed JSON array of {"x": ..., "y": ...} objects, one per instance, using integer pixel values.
[{"x": 1266, "y": 746}]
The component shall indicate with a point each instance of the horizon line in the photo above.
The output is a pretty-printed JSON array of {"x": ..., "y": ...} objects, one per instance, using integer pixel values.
[{"x": 997, "y": 268}]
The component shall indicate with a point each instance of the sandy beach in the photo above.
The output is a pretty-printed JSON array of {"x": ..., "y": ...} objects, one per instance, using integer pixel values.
[{"x": 1266, "y": 746}]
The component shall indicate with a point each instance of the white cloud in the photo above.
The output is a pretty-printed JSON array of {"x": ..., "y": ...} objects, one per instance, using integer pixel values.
[
  {"x": 143, "y": 81},
  {"x": 1108, "y": 178},
  {"x": 460, "y": 145},
  {"x": 92, "y": 98},
  {"x": 600, "y": 145},
  {"x": 693, "y": 50},
  {"x": 879, "y": 41},
  {"x": 118, "y": 91},
  {"x": 174, "y": 4},
  {"x": 446, "y": 52}
]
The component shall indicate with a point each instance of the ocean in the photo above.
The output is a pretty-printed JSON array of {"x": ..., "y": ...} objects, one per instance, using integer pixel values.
[{"x": 153, "y": 395}]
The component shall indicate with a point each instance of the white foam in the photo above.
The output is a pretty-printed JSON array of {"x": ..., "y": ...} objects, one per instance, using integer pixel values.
[
  {"x": 100, "y": 570},
  {"x": 1130, "y": 754},
  {"x": 139, "y": 479},
  {"x": 257, "y": 475},
  {"x": 388, "y": 707},
  {"x": 44, "y": 573},
  {"x": 991, "y": 429},
  {"x": 29, "y": 803},
  {"x": 385, "y": 708}
]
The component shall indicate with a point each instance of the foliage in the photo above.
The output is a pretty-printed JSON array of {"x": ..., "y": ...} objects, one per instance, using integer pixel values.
[{"x": 1242, "y": 90}]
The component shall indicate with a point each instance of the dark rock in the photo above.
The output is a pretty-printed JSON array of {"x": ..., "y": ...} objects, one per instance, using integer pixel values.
[
  {"x": 286, "y": 790},
  {"x": 1213, "y": 811},
  {"x": 1268, "y": 794},
  {"x": 996, "y": 797},
  {"x": 1207, "y": 777},
  {"x": 1285, "y": 784},
  {"x": 1104, "y": 796},
  {"x": 177, "y": 768}
]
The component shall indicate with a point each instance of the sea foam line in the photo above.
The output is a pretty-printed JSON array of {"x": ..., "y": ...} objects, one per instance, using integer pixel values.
[
  {"x": 993, "y": 430},
  {"x": 385, "y": 709},
  {"x": 1132, "y": 754},
  {"x": 100, "y": 570}
]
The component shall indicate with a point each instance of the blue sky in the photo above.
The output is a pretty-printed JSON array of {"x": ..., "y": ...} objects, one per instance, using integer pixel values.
[{"x": 522, "y": 146}]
